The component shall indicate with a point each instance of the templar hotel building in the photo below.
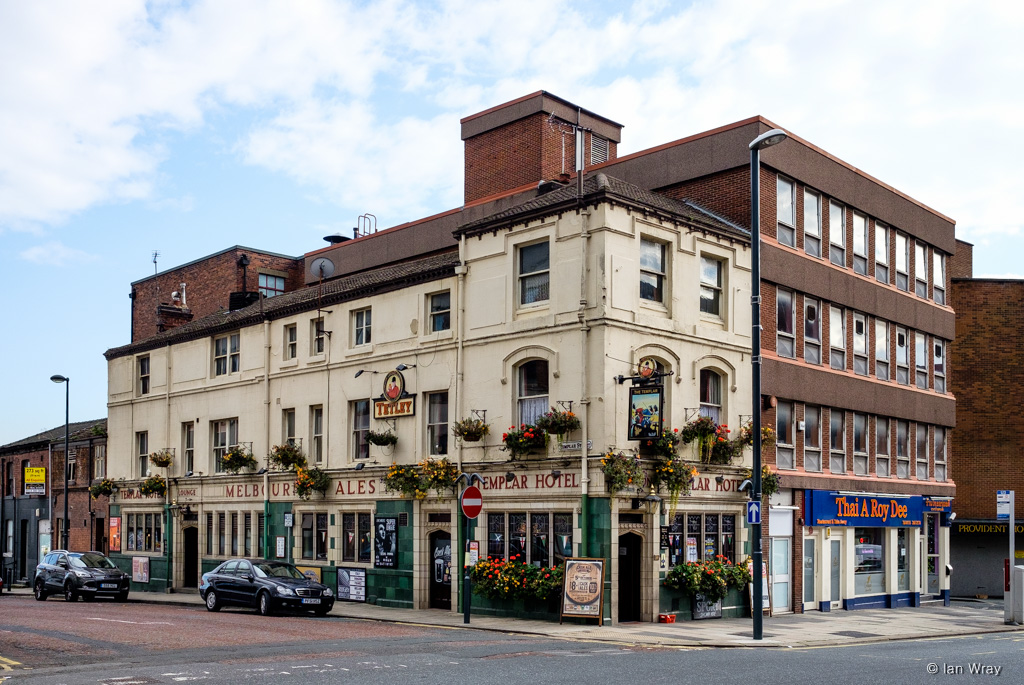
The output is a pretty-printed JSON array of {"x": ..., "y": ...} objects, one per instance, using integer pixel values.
[{"x": 540, "y": 292}]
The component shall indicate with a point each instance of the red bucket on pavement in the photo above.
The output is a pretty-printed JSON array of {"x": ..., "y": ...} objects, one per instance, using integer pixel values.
[{"x": 666, "y": 618}]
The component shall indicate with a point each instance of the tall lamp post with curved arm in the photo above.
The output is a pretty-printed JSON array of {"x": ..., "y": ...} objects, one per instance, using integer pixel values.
[
  {"x": 57, "y": 378},
  {"x": 763, "y": 141}
]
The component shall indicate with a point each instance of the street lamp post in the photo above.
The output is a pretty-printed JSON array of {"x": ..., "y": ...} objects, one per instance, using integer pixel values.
[
  {"x": 764, "y": 140},
  {"x": 57, "y": 378}
]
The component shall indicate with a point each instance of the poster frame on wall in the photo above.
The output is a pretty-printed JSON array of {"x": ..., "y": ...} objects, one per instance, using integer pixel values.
[{"x": 385, "y": 547}]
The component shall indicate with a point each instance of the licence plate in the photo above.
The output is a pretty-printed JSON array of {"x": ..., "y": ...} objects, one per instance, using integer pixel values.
[
  {"x": 108, "y": 586},
  {"x": 311, "y": 601}
]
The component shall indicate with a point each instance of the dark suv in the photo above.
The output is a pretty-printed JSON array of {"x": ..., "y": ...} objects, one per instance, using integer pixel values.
[{"x": 85, "y": 574}]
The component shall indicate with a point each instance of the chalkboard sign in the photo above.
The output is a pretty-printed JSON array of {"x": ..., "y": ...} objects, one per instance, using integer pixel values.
[
  {"x": 702, "y": 608},
  {"x": 583, "y": 589}
]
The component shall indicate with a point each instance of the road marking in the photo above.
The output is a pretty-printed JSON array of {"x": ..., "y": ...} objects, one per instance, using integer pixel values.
[
  {"x": 12, "y": 662},
  {"x": 138, "y": 623}
]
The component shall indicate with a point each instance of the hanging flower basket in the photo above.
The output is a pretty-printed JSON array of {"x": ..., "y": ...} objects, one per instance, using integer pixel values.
[
  {"x": 621, "y": 471},
  {"x": 557, "y": 422},
  {"x": 102, "y": 488},
  {"x": 287, "y": 456},
  {"x": 154, "y": 485},
  {"x": 470, "y": 430},
  {"x": 405, "y": 480},
  {"x": 381, "y": 438},
  {"x": 523, "y": 440},
  {"x": 666, "y": 446},
  {"x": 676, "y": 477},
  {"x": 747, "y": 435},
  {"x": 308, "y": 481},
  {"x": 163, "y": 458},
  {"x": 771, "y": 481},
  {"x": 236, "y": 459},
  {"x": 439, "y": 474}
]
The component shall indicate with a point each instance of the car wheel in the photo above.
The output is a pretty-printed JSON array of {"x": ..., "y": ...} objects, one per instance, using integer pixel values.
[
  {"x": 263, "y": 604},
  {"x": 39, "y": 591},
  {"x": 212, "y": 601},
  {"x": 69, "y": 593},
  {"x": 88, "y": 596},
  {"x": 122, "y": 596}
]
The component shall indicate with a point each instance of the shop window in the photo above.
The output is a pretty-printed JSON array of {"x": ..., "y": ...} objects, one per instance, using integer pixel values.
[
  {"x": 812, "y": 331},
  {"x": 939, "y": 277},
  {"x": 437, "y": 423},
  {"x": 882, "y": 350},
  {"x": 786, "y": 339},
  {"x": 902, "y": 357},
  {"x": 701, "y": 536},
  {"x": 711, "y": 286},
  {"x": 837, "y": 234},
  {"x": 921, "y": 452},
  {"x": 533, "y": 390},
  {"x": 270, "y": 285},
  {"x": 920, "y": 269},
  {"x": 860, "y": 344},
  {"x": 860, "y": 244},
  {"x": 356, "y": 533},
  {"x": 860, "y": 444},
  {"x": 711, "y": 395},
  {"x": 314, "y": 536},
  {"x": 940, "y": 454},
  {"x": 921, "y": 360},
  {"x": 261, "y": 530},
  {"x": 902, "y": 262},
  {"x": 837, "y": 338},
  {"x": 812, "y": 439},
  {"x": 812, "y": 223},
  {"x": 902, "y": 449},
  {"x": 360, "y": 427},
  {"x": 440, "y": 311},
  {"x": 291, "y": 342},
  {"x": 143, "y": 388},
  {"x": 869, "y": 561},
  {"x": 784, "y": 452},
  {"x": 226, "y": 350},
  {"x": 837, "y": 441},
  {"x": 209, "y": 535},
  {"x": 540, "y": 538},
  {"x": 939, "y": 364},
  {"x": 221, "y": 533},
  {"x": 652, "y": 272},
  {"x": 142, "y": 452},
  {"x": 247, "y": 534},
  {"x": 144, "y": 532},
  {"x": 234, "y": 534},
  {"x": 534, "y": 274},
  {"x": 786, "y": 212},
  {"x": 882, "y": 447},
  {"x": 881, "y": 253}
]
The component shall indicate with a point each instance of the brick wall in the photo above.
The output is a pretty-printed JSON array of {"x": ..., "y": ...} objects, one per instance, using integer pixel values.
[
  {"x": 988, "y": 381},
  {"x": 961, "y": 264},
  {"x": 209, "y": 283}
]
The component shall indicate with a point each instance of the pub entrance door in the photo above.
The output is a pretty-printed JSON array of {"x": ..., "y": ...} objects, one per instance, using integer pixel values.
[
  {"x": 440, "y": 570},
  {"x": 630, "y": 552},
  {"x": 190, "y": 554}
]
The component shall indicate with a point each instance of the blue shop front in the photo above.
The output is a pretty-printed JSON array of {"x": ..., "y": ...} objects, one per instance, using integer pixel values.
[{"x": 869, "y": 551}]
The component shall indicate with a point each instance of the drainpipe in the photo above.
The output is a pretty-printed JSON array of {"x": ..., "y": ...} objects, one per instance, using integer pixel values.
[
  {"x": 168, "y": 518},
  {"x": 266, "y": 424},
  {"x": 581, "y": 315}
]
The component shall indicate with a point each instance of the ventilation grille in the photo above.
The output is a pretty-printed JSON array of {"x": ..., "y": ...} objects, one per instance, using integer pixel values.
[{"x": 598, "y": 150}]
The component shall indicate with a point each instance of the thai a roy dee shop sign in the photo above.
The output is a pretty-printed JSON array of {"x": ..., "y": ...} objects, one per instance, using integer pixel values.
[
  {"x": 583, "y": 588},
  {"x": 871, "y": 511}
]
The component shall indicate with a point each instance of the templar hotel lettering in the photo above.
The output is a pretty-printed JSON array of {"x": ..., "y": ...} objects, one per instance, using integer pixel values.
[{"x": 541, "y": 481}]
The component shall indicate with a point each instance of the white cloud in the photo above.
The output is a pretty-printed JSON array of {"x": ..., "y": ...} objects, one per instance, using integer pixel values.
[{"x": 56, "y": 254}]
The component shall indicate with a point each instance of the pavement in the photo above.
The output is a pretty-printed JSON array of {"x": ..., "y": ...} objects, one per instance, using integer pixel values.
[{"x": 962, "y": 618}]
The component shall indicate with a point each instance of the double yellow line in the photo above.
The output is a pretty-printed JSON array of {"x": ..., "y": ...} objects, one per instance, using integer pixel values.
[{"x": 5, "y": 664}]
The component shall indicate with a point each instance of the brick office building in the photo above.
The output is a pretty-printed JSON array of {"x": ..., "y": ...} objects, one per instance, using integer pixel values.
[
  {"x": 863, "y": 420},
  {"x": 987, "y": 379}
]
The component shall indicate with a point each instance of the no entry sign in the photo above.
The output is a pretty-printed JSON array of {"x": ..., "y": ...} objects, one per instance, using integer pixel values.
[{"x": 471, "y": 502}]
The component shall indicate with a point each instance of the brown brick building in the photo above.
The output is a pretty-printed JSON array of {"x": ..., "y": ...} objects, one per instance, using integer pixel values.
[{"x": 988, "y": 380}]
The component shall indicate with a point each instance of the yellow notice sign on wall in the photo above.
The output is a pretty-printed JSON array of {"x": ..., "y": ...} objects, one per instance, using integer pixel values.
[{"x": 35, "y": 475}]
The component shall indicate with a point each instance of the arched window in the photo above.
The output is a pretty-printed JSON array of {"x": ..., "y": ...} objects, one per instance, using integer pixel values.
[
  {"x": 533, "y": 390},
  {"x": 711, "y": 395}
]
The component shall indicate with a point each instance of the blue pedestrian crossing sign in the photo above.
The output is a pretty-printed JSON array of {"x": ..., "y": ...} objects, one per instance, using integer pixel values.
[{"x": 753, "y": 512}]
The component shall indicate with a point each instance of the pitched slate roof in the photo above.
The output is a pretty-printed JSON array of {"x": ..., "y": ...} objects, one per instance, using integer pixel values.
[
  {"x": 375, "y": 281},
  {"x": 601, "y": 187},
  {"x": 76, "y": 429}
]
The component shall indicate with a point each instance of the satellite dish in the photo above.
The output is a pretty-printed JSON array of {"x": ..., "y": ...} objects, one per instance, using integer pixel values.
[{"x": 322, "y": 267}]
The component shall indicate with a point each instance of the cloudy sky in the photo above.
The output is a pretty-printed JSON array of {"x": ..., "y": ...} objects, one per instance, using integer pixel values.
[{"x": 128, "y": 127}]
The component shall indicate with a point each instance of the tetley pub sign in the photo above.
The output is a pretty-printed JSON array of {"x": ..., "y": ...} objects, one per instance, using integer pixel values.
[{"x": 394, "y": 401}]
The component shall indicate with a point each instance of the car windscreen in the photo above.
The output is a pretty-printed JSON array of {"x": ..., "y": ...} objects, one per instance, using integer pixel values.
[
  {"x": 277, "y": 570},
  {"x": 91, "y": 561}
]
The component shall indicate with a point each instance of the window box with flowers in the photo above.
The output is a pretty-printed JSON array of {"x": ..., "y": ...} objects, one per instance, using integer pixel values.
[
  {"x": 405, "y": 480},
  {"x": 524, "y": 440},
  {"x": 381, "y": 438},
  {"x": 558, "y": 422},
  {"x": 287, "y": 456},
  {"x": 236, "y": 459},
  {"x": 439, "y": 474},
  {"x": 621, "y": 471},
  {"x": 470, "y": 430},
  {"x": 102, "y": 488},
  {"x": 308, "y": 481},
  {"x": 708, "y": 583},
  {"x": 162, "y": 458},
  {"x": 516, "y": 588},
  {"x": 154, "y": 485}
]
